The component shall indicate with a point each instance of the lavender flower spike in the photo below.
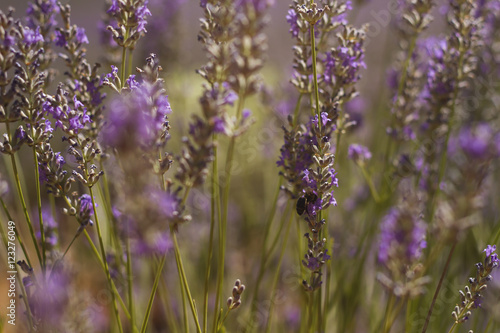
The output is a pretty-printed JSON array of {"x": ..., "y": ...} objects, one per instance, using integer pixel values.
[{"x": 471, "y": 297}]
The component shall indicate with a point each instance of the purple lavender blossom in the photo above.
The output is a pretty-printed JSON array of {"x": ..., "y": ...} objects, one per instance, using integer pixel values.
[
  {"x": 80, "y": 36},
  {"x": 477, "y": 143},
  {"x": 136, "y": 118},
  {"x": 402, "y": 235},
  {"x": 31, "y": 37},
  {"x": 141, "y": 13},
  {"x": 86, "y": 207},
  {"x": 291, "y": 18},
  {"x": 60, "y": 39},
  {"x": 491, "y": 255},
  {"x": 359, "y": 153}
]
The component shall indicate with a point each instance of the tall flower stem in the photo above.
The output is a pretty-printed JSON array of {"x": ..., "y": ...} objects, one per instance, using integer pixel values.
[
  {"x": 214, "y": 206},
  {"x": 265, "y": 256},
  {"x": 180, "y": 267},
  {"x": 225, "y": 206},
  {"x": 39, "y": 204},
  {"x": 315, "y": 74},
  {"x": 129, "y": 282},
  {"x": 18, "y": 276},
  {"x": 277, "y": 273},
  {"x": 113, "y": 286},
  {"x": 105, "y": 262},
  {"x": 159, "y": 271},
  {"x": 438, "y": 288},
  {"x": 7, "y": 213},
  {"x": 388, "y": 311},
  {"x": 25, "y": 209}
]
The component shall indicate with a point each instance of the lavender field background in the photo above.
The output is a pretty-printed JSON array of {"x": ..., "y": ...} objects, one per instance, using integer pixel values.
[{"x": 209, "y": 169}]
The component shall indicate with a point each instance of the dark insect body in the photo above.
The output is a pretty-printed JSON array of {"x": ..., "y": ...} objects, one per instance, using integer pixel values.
[{"x": 304, "y": 201}]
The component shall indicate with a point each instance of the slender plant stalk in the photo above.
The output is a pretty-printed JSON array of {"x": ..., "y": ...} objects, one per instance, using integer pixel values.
[
  {"x": 130, "y": 280},
  {"x": 296, "y": 110},
  {"x": 105, "y": 262},
  {"x": 213, "y": 208},
  {"x": 18, "y": 276},
  {"x": 373, "y": 189},
  {"x": 265, "y": 256},
  {"x": 123, "y": 66},
  {"x": 170, "y": 317},
  {"x": 225, "y": 206},
  {"x": 438, "y": 288},
  {"x": 39, "y": 205},
  {"x": 159, "y": 271},
  {"x": 184, "y": 281},
  {"x": 388, "y": 311},
  {"x": 315, "y": 74},
  {"x": 25, "y": 252},
  {"x": 277, "y": 274},
  {"x": 185, "y": 320},
  {"x": 25, "y": 209}
]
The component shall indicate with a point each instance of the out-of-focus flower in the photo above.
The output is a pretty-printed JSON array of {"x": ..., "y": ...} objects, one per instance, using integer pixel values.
[{"x": 359, "y": 153}]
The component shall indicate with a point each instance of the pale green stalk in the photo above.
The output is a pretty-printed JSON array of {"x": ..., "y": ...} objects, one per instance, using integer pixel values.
[
  {"x": 165, "y": 299},
  {"x": 105, "y": 262},
  {"x": 277, "y": 273},
  {"x": 213, "y": 203},
  {"x": 225, "y": 204},
  {"x": 369, "y": 181},
  {"x": 39, "y": 204},
  {"x": 438, "y": 288},
  {"x": 18, "y": 276},
  {"x": 180, "y": 267},
  {"x": 129, "y": 282},
  {"x": 25, "y": 209},
  {"x": 153, "y": 293},
  {"x": 7, "y": 213},
  {"x": 265, "y": 254}
]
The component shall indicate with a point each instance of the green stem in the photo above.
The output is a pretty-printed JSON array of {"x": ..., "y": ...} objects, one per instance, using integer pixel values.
[
  {"x": 438, "y": 288},
  {"x": 315, "y": 78},
  {"x": 265, "y": 256},
  {"x": 39, "y": 205},
  {"x": 105, "y": 262},
  {"x": 114, "y": 289},
  {"x": 68, "y": 247},
  {"x": 130, "y": 61},
  {"x": 369, "y": 181},
  {"x": 165, "y": 299},
  {"x": 296, "y": 110},
  {"x": 25, "y": 209},
  {"x": 152, "y": 295},
  {"x": 130, "y": 279},
  {"x": 180, "y": 267},
  {"x": 388, "y": 312},
  {"x": 18, "y": 276},
  {"x": 225, "y": 205},
  {"x": 18, "y": 237},
  {"x": 277, "y": 273},
  {"x": 123, "y": 70},
  {"x": 213, "y": 205}
]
